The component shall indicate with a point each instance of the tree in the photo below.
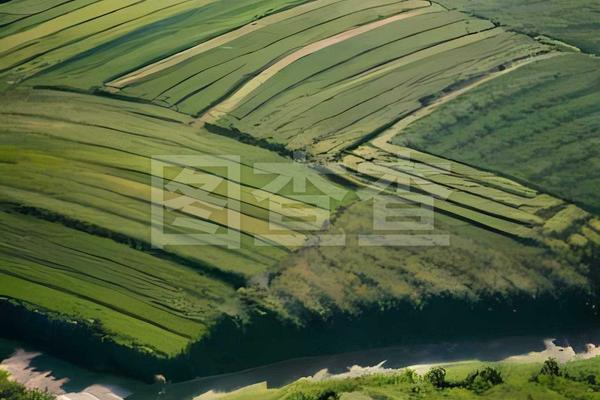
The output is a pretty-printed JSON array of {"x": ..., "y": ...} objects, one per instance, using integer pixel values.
[
  {"x": 437, "y": 377},
  {"x": 480, "y": 381},
  {"x": 550, "y": 368}
]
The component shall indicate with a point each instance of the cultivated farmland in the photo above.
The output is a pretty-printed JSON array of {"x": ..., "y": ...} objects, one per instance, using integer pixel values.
[
  {"x": 110, "y": 109},
  {"x": 536, "y": 124},
  {"x": 575, "y": 22},
  {"x": 326, "y": 101}
]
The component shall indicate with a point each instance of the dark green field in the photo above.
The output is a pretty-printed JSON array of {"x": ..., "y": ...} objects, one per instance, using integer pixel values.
[
  {"x": 539, "y": 125},
  {"x": 574, "y": 22}
]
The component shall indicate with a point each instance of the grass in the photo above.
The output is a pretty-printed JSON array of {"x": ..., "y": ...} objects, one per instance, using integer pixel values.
[
  {"x": 140, "y": 300},
  {"x": 115, "y": 195},
  {"x": 76, "y": 174},
  {"x": 201, "y": 81},
  {"x": 14, "y": 391},
  {"x": 536, "y": 124}
]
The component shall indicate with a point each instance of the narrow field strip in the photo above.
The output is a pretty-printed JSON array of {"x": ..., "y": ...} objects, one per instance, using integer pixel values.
[
  {"x": 30, "y": 7},
  {"x": 323, "y": 103},
  {"x": 26, "y": 21},
  {"x": 317, "y": 68},
  {"x": 71, "y": 176},
  {"x": 216, "y": 42},
  {"x": 442, "y": 173},
  {"x": 431, "y": 189},
  {"x": 555, "y": 158},
  {"x": 64, "y": 22},
  {"x": 123, "y": 329},
  {"x": 233, "y": 101}
]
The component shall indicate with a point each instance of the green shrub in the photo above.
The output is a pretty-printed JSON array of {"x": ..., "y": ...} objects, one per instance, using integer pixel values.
[
  {"x": 15, "y": 391},
  {"x": 549, "y": 369},
  {"x": 480, "y": 381},
  {"x": 436, "y": 376}
]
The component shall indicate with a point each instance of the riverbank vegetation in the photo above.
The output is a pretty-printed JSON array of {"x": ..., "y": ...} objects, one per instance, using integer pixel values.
[
  {"x": 10, "y": 390},
  {"x": 497, "y": 381}
]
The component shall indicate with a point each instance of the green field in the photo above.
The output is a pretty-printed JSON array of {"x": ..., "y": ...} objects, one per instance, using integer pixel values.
[
  {"x": 324, "y": 103},
  {"x": 538, "y": 124},
  {"x": 112, "y": 36},
  {"x": 307, "y": 107},
  {"x": 574, "y": 22}
]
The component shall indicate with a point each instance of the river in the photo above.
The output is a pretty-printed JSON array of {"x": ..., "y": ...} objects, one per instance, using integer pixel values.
[{"x": 44, "y": 371}]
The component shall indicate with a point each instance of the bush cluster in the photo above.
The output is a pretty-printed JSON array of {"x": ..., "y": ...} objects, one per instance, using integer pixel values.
[{"x": 10, "y": 390}]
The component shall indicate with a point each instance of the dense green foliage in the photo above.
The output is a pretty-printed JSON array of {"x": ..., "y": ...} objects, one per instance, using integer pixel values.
[
  {"x": 538, "y": 124},
  {"x": 327, "y": 279},
  {"x": 572, "y": 21},
  {"x": 10, "y": 390}
]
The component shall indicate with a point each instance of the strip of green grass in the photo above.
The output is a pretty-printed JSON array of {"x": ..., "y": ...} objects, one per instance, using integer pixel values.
[{"x": 199, "y": 82}]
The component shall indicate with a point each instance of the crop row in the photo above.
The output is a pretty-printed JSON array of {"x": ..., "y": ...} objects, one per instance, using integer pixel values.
[{"x": 96, "y": 41}]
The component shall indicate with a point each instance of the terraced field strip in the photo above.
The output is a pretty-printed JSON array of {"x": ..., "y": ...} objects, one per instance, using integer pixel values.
[
  {"x": 202, "y": 81},
  {"x": 233, "y": 101},
  {"x": 556, "y": 158},
  {"x": 383, "y": 141},
  {"x": 89, "y": 63},
  {"x": 216, "y": 42},
  {"x": 81, "y": 30},
  {"x": 20, "y": 15},
  {"x": 139, "y": 299}
]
